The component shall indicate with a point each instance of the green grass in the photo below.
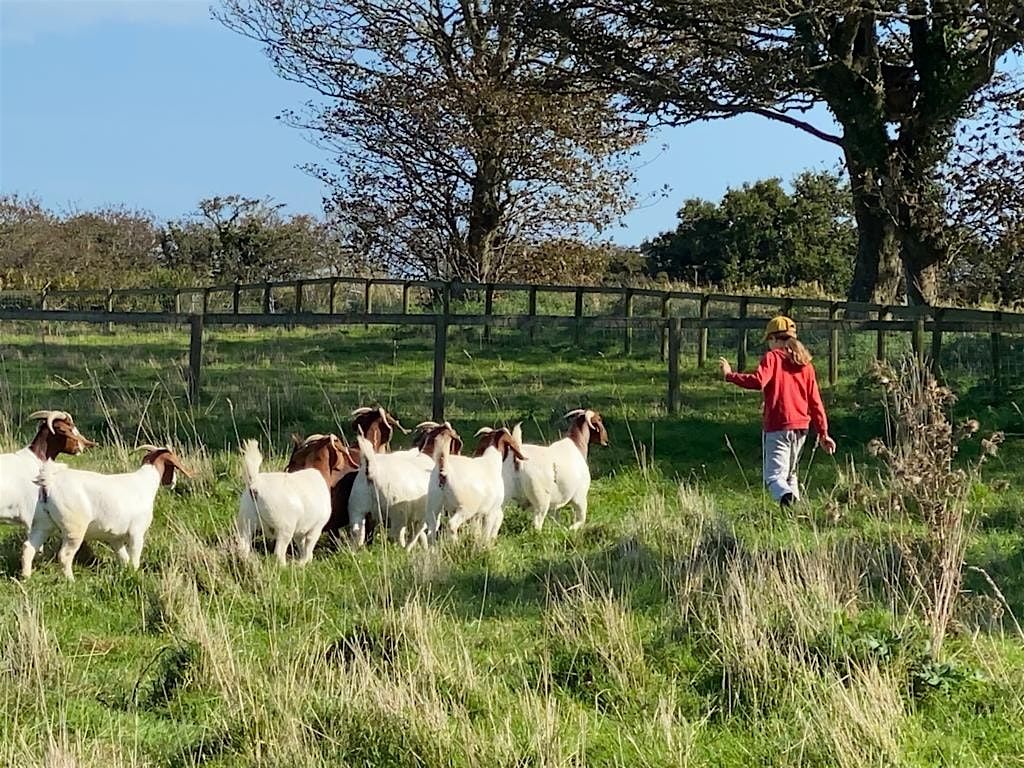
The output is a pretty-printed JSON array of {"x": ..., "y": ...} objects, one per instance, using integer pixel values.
[{"x": 689, "y": 622}]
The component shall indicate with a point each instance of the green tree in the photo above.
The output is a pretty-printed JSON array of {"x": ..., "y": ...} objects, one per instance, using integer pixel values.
[
  {"x": 246, "y": 239},
  {"x": 897, "y": 77},
  {"x": 761, "y": 235},
  {"x": 79, "y": 249},
  {"x": 448, "y": 158}
]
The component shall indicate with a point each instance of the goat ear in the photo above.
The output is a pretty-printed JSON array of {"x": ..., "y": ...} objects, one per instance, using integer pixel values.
[
  {"x": 511, "y": 445},
  {"x": 173, "y": 459},
  {"x": 456, "y": 446},
  {"x": 347, "y": 459}
]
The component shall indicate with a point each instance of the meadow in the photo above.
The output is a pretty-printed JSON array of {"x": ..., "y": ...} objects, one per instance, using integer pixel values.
[{"x": 690, "y": 622}]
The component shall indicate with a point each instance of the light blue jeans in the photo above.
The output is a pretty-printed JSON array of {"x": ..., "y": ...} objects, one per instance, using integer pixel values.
[{"x": 781, "y": 456}]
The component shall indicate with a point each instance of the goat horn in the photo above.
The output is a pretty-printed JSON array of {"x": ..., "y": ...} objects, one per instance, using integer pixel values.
[
  {"x": 393, "y": 421},
  {"x": 483, "y": 431},
  {"x": 427, "y": 425},
  {"x": 360, "y": 411},
  {"x": 52, "y": 416},
  {"x": 147, "y": 447},
  {"x": 575, "y": 412}
]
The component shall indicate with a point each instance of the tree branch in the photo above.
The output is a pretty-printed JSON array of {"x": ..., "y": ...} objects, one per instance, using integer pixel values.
[{"x": 796, "y": 123}]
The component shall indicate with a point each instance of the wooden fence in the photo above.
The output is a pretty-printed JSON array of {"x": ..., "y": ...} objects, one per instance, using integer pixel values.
[{"x": 842, "y": 316}]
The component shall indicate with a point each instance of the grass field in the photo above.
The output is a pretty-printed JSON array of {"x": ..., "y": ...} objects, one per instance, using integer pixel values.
[{"x": 689, "y": 623}]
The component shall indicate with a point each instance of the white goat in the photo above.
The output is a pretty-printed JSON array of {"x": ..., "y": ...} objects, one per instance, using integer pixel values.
[
  {"x": 19, "y": 494},
  {"x": 392, "y": 488},
  {"x": 89, "y": 506},
  {"x": 469, "y": 487},
  {"x": 556, "y": 474},
  {"x": 291, "y": 506}
]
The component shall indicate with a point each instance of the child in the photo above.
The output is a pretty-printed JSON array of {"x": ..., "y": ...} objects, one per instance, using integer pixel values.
[{"x": 791, "y": 403}]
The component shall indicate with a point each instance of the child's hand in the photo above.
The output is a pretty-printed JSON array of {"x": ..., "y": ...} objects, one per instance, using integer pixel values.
[
  {"x": 827, "y": 444},
  {"x": 724, "y": 367}
]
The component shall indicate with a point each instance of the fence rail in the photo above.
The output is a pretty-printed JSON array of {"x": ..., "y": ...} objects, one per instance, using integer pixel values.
[
  {"x": 107, "y": 298},
  {"x": 842, "y": 317}
]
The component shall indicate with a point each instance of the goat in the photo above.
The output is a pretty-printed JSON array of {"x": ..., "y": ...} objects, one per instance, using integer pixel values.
[
  {"x": 89, "y": 506},
  {"x": 56, "y": 434},
  {"x": 378, "y": 425},
  {"x": 292, "y": 506},
  {"x": 558, "y": 473},
  {"x": 469, "y": 487},
  {"x": 392, "y": 488}
]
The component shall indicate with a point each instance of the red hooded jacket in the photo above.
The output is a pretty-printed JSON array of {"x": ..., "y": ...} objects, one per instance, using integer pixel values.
[{"x": 791, "y": 397}]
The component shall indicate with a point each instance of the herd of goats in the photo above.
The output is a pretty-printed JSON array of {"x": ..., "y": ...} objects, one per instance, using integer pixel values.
[{"x": 326, "y": 487}]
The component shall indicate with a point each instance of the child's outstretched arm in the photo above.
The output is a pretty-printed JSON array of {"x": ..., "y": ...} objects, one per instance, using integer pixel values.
[{"x": 755, "y": 380}]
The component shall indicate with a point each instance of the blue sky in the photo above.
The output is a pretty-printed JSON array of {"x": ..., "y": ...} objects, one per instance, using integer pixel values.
[{"x": 152, "y": 104}]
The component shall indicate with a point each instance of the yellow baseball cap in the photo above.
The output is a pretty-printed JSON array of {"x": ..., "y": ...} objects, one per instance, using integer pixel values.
[{"x": 780, "y": 324}]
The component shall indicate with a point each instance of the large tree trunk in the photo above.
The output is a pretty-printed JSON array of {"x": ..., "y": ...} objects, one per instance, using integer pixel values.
[
  {"x": 484, "y": 230},
  {"x": 921, "y": 271},
  {"x": 876, "y": 273}
]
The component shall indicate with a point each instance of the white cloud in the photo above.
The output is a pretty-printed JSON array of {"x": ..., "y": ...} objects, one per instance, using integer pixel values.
[{"x": 24, "y": 21}]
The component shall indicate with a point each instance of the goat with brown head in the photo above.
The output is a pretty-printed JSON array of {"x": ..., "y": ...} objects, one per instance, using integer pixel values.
[
  {"x": 556, "y": 475},
  {"x": 115, "y": 509},
  {"x": 308, "y": 453},
  {"x": 468, "y": 487},
  {"x": 19, "y": 495}
]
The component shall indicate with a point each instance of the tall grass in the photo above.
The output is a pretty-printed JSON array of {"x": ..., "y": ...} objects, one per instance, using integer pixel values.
[{"x": 686, "y": 624}]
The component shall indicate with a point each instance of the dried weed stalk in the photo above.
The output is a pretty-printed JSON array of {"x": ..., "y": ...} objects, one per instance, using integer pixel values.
[{"x": 927, "y": 484}]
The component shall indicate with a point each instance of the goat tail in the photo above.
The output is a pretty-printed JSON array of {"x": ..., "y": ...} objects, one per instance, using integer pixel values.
[{"x": 251, "y": 461}]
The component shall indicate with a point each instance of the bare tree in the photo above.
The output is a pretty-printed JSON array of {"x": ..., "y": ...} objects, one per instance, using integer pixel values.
[{"x": 449, "y": 159}]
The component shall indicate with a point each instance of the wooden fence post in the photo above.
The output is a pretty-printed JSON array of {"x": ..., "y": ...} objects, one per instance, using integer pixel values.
[
  {"x": 627, "y": 312},
  {"x": 266, "y": 298},
  {"x": 675, "y": 334},
  {"x": 298, "y": 296},
  {"x": 833, "y": 346},
  {"x": 177, "y": 302},
  {"x": 332, "y": 290},
  {"x": 42, "y": 299},
  {"x": 702, "y": 332},
  {"x": 236, "y": 298},
  {"x": 663, "y": 333},
  {"x": 440, "y": 356},
  {"x": 741, "y": 350},
  {"x": 787, "y": 307},
  {"x": 883, "y": 315},
  {"x": 206, "y": 300},
  {"x": 936, "y": 342},
  {"x": 405, "y": 298},
  {"x": 195, "y": 357},
  {"x": 997, "y": 358},
  {"x": 110, "y": 308},
  {"x": 578, "y": 315},
  {"x": 488, "y": 310},
  {"x": 368, "y": 297},
  {"x": 917, "y": 340},
  {"x": 532, "y": 312}
]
